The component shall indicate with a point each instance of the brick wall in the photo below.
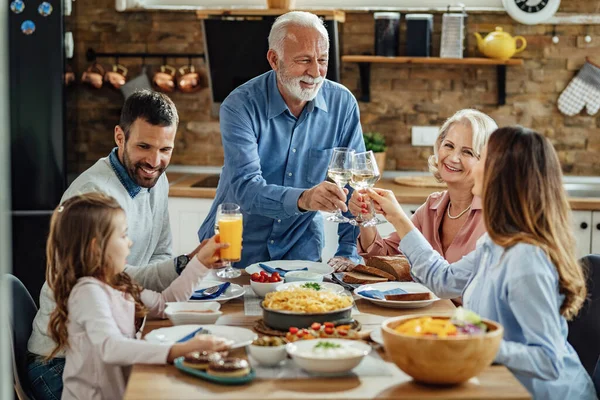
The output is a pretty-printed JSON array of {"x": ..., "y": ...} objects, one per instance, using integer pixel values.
[{"x": 401, "y": 96}]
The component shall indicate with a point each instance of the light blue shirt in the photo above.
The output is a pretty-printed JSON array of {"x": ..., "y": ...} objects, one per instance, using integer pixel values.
[
  {"x": 517, "y": 287},
  {"x": 271, "y": 157}
]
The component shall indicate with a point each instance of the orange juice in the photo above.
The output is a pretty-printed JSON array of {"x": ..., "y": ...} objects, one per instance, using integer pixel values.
[{"x": 230, "y": 230}]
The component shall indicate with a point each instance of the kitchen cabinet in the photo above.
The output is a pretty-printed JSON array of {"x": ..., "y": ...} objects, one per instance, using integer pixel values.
[
  {"x": 186, "y": 215},
  {"x": 595, "y": 228},
  {"x": 586, "y": 228},
  {"x": 582, "y": 230}
]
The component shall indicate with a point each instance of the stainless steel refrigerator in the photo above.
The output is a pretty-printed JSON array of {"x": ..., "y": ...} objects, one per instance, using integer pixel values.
[{"x": 37, "y": 133}]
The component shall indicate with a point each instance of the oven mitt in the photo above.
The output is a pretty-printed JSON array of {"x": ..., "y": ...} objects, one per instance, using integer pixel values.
[{"x": 582, "y": 91}]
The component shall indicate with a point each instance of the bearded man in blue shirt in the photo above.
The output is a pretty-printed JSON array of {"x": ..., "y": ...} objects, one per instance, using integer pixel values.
[{"x": 278, "y": 131}]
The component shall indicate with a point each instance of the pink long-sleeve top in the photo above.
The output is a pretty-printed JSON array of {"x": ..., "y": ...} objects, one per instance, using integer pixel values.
[
  {"x": 428, "y": 219},
  {"x": 101, "y": 328}
]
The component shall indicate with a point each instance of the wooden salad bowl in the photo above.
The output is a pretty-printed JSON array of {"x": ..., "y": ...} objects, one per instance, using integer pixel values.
[{"x": 441, "y": 361}]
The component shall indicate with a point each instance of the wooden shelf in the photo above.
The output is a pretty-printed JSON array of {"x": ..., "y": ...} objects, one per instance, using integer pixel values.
[
  {"x": 431, "y": 60},
  {"x": 335, "y": 15},
  {"x": 364, "y": 65}
]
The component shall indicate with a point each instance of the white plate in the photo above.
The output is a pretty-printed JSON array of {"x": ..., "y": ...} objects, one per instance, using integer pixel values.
[
  {"x": 232, "y": 292},
  {"x": 325, "y": 286},
  {"x": 241, "y": 336},
  {"x": 376, "y": 336},
  {"x": 410, "y": 287},
  {"x": 286, "y": 265}
]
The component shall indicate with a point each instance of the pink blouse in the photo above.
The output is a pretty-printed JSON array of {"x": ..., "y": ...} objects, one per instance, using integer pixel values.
[
  {"x": 428, "y": 219},
  {"x": 102, "y": 343}
]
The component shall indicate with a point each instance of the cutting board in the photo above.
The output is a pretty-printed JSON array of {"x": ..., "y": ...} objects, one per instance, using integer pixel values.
[{"x": 419, "y": 181}]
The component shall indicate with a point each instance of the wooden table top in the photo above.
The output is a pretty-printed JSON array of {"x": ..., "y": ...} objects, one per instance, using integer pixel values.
[{"x": 166, "y": 382}]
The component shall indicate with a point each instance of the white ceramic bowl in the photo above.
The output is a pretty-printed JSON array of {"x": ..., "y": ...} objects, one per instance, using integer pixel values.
[
  {"x": 262, "y": 288},
  {"x": 340, "y": 361},
  {"x": 300, "y": 276},
  {"x": 325, "y": 286},
  {"x": 268, "y": 356},
  {"x": 184, "y": 313}
]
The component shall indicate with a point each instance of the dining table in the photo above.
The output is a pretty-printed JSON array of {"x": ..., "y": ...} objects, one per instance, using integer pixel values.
[{"x": 149, "y": 382}]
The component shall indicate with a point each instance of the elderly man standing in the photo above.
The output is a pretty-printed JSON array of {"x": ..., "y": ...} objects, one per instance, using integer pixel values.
[{"x": 279, "y": 130}]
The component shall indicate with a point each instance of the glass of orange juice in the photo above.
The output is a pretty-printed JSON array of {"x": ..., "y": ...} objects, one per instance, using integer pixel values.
[{"x": 229, "y": 225}]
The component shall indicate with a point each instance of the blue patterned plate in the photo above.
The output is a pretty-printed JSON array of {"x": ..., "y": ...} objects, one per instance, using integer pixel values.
[{"x": 238, "y": 380}]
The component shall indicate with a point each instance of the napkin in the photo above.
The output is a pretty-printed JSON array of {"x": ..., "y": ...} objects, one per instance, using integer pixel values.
[
  {"x": 380, "y": 295},
  {"x": 199, "y": 294},
  {"x": 282, "y": 272},
  {"x": 338, "y": 278}
]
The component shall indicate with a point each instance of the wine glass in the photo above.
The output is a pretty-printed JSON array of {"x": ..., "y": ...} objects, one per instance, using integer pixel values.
[
  {"x": 229, "y": 225},
  {"x": 339, "y": 172},
  {"x": 365, "y": 174}
]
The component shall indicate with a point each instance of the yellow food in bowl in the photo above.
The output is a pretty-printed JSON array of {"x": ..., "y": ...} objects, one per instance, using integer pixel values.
[
  {"x": 306, "y": 301},
  {"x": 427, "y": 326},
  {"x": 432, "y": 359}
]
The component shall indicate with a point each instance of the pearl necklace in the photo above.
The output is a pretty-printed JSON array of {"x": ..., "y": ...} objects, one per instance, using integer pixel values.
[{"x": 459, "y": 215}]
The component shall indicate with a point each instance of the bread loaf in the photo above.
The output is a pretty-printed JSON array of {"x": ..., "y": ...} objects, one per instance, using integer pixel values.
[
  {"x": 373, "y": 271},
  {"x": 398, "y": 266},
  {"x": 408, "y": 296},
  {"x": 361, "y": 279}
]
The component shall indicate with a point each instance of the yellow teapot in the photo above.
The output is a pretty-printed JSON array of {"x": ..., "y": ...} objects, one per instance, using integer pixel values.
[{"x": 500, "y": 44}]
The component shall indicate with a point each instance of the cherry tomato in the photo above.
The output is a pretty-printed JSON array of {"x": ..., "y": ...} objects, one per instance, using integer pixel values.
[
  {"x": 342, "y": 332},
  {"x": 263, "y": 273},
  {"x": 329, "y": 331},
  {"x": 315, "y": 326},
  {"x": 329, "y": 325},
  {"x": 300, "y": 333},
  {"x": 293, "y": 330},
  {"x": 276, "y": 274},
  {"x": 273, "y": 278},
  {"x": 263, "y": 279},
  {"x": 255, "y": 276}
]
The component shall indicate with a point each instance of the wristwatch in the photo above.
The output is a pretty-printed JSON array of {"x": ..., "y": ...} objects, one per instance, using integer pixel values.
[{"x": 180, "y": 263}]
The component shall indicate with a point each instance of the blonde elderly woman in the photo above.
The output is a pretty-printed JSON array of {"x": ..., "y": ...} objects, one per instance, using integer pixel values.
[{"x": 450, "y": 220}]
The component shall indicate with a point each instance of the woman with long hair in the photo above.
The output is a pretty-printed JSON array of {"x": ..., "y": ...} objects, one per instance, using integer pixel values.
[
  {"x": 523, "y": 273},
  {"x": 99, "y": 308}
]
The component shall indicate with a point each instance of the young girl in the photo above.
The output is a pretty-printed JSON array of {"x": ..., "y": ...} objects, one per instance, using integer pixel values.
[
  {"x": 99, "y": 308},
  {"x": 523, "y": 273}
]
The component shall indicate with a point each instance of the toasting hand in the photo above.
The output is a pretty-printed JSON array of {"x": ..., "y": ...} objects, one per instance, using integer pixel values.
[
  {"x": 326, "y": 196},
  {"x": 208, "y": 252}
]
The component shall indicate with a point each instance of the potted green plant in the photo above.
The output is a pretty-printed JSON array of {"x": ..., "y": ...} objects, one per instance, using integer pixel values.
[{"x": 375, "y": 141}]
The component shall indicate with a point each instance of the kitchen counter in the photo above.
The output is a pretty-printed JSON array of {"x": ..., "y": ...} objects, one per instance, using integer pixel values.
[{"x": 182, "y": 181}]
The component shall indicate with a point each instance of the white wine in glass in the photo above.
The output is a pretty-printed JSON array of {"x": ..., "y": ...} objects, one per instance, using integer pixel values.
[
  {"x": 365, "y": 174},
  {"x": 339, "y": 172}
]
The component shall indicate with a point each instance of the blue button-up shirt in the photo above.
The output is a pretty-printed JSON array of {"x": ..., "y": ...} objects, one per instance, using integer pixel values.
[
  {"x": 129, "y": 184},
  {"x": 271, "y": 157},
  {"x": 517, "y": 287}
]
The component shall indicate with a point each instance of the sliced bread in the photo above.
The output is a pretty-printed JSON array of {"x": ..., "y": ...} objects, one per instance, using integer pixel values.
[
  {"x": 361, "y": 279},
  {"x": 398, "y": 266},
  {"x": 408, "y": 296},
  {"x": 373, "y": 271}
]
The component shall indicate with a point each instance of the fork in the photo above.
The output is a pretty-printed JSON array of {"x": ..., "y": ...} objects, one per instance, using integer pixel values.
[{"x": 211, "y": 290}]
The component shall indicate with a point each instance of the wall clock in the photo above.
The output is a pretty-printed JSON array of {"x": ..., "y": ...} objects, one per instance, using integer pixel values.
[{"x": 531, "y": 12}]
